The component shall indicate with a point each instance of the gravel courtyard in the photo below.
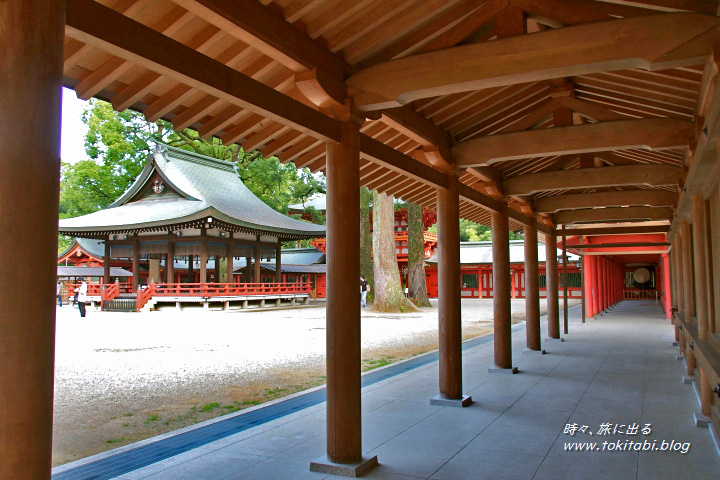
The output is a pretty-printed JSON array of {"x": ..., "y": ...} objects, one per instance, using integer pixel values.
[{"x": 122, "y": 377}]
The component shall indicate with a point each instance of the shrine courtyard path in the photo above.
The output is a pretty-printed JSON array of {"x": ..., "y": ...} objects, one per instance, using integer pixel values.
[{"x": 123, "y": 377}]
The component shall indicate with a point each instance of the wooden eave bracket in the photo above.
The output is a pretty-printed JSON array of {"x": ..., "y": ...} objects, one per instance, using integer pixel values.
[{"x": 329, "y": 94}]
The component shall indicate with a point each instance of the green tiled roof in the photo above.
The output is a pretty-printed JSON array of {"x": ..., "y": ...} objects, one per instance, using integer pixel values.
[{"x": 204, "y": 187}]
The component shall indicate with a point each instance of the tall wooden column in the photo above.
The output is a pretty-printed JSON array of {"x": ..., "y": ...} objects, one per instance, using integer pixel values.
[
  {"x": 551, "y": 283},
  {"x": 667, "y": 289},
  {"x": 230, "y": 270},
  {"x": 344, "y": 425},
  {"x": 701, "y": 293},
  {"x": 106, "y": 262},
  {"x": 532, "y": 289},
  {"x": 688, "y": 289},
  {"x": 136, "y": 266},
  {"x": 31, "y": 53},
  {"x": 170, "y": 263},
  {"x": 278, "y": 262},
  {"x": 191, "y": 269},
  {"x": 501, "y": 288},
  {"x": 565, "y": 281},
  {"x": 590, "y": 288},
  {"x": 449, "y": 320},
  {"x": 594, "y": 280},
  {"x": 203, "y": 256},
  {"x": 687, "y": 271},
  {"x": 256, "y": 264}
]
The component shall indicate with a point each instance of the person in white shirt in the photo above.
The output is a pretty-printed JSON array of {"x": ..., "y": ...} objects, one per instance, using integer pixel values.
[{"x": 82, "y": 295}]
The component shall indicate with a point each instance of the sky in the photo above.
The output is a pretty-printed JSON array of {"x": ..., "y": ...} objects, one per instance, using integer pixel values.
[{"x": 73, "y": 129}]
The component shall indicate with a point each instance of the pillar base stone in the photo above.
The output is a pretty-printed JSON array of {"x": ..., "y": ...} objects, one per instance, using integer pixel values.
[
  {"x": 688, "y": 380},
  {"x": 680, "y": 358},
  {"x": 676, "y": 344},
  {"x": 510, "y": 371},
  {"x": 527, "y": 351},
  {"x": 701, "y": 421},
  {"x": 550, "y": 339},
  {"x": 357, "y": 469},
  {"x": 440, "y": 401}
]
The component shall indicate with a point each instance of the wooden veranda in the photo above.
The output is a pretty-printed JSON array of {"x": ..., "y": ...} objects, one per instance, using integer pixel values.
[{"x": 557, "y": 117}]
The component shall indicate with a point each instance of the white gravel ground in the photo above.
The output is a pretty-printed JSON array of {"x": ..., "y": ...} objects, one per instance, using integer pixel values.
[{"x": 109, "y": 365}]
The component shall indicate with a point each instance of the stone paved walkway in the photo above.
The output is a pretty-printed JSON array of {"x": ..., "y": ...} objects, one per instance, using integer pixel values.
[{"x": 618, "y": 369}]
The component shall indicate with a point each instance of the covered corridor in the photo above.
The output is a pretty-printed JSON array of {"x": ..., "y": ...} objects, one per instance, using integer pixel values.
[
  {"x": 555, "y": 118},
  {"x": 618, "y": 369}
]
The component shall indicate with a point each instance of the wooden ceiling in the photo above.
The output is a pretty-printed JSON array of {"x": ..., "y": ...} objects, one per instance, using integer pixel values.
[{"x": 235, "y": 70}]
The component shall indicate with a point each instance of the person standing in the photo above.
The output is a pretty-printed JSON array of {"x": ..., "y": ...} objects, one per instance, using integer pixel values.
[
  {"x": 82, "y": 295},
  {"x": 364, "y": 289},
  {"x": 59, "y": 293}
]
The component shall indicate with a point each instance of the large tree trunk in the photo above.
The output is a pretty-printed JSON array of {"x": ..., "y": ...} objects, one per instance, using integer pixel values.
[
  {"x": 417, "y": 286},
  {"x": 366, "y": 241},
  {"x": 389, "y": 295}
]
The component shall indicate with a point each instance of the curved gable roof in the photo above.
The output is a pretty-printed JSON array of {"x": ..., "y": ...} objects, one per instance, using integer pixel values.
[{"x": 204, "y": 187}]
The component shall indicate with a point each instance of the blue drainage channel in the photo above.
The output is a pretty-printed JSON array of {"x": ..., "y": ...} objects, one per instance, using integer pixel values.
[{"x": 129, "y": 460}]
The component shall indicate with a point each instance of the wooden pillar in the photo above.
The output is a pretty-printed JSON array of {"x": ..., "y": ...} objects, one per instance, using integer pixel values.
[
  {"x": 701, "y": 293},
  {"x": 344, "y": 426},
  {"x": 551, "y": 281},
  {"x": 154, "y": 270},
  {"x": 565, "y": 281},
  {"x": 667, "y": 293},
  {"x": 230, "y": 271},
  {"x": 256, "y": 263},
  {"x": 588, "y": 285},
  {"x": 191, "y": 269},
  {"x": 532, "y": 289},
  {"x": 248, "y": 270},
  {"x": 278, "y": 262},
  {"x": 203, "y": 256},
  {"x": 31, "y": 53},
  {"x": 449, "y": 293},
  {"x": 136, "y": 266},
  {"x": 687, "y": 270},
  {"x": 594, "y": 280},
  {"x": 170, "y": 263},
  {"x": 106, "y": 262},
  {"x": 501, "y": 287}
]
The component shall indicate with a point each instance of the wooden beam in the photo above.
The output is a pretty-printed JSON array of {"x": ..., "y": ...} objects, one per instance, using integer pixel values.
[
  {"x": 401, "y": 163},
  {"x": 612, "y": 214},
  {"x": 102, "y": 27},
  {"x": 618, "y": 245},
  {"x": 654, "y": 198},
  {"x": 646, "y": 133},
  {"x": 618, "y": 230},
  {"x": 259, "y": 27},
  {"x": 653, "y": 175},
  {"x": 653, "y": 42}
]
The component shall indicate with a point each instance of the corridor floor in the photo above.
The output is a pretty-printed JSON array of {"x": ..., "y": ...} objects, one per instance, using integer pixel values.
[{"x": 614, "y": 380}]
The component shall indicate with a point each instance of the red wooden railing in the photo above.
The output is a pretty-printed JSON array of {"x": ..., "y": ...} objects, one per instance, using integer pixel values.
[
  {"x": 638, "y": 294},
  {"x": 209, "y": 290},
  {"x": 109, "y": 292}
]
